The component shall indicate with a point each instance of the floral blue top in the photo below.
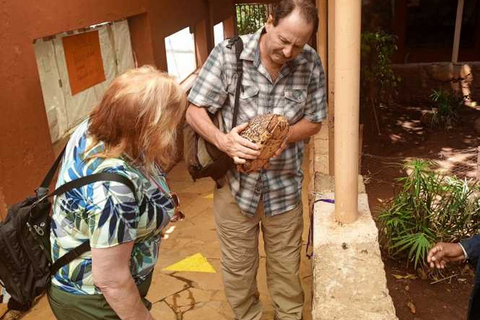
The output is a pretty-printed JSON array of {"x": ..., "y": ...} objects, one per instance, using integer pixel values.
[{"x": 106, "y": 213}]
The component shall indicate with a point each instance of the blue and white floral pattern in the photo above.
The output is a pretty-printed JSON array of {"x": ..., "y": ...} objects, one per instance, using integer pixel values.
[{"x": 106, "y": 213}]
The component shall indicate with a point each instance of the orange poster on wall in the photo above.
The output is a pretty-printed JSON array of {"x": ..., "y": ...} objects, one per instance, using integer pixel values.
[{"x": 84, "y": 61}]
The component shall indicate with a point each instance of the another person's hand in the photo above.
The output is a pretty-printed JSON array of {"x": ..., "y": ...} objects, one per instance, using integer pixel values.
[
  {"x": 238, "y": 147},
  {"x": 443, "y": 252}
]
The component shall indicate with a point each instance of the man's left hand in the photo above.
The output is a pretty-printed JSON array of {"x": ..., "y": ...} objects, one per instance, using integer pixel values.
[{"x": 282, "y": 147}]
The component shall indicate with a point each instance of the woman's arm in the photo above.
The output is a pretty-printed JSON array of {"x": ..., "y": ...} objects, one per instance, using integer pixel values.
[{"x": 111, "y": 274}]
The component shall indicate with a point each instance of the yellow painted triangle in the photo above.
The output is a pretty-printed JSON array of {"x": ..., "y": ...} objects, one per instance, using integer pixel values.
[
  {"x": 195, "y": 263},
  {"x": 208, "y": 196}
]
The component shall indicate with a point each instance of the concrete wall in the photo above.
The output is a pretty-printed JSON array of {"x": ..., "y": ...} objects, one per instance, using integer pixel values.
[
  {"x": 25, "y": 148},
  {"x": 419, "y": 79},
  {"x": 349, "y": 280}
]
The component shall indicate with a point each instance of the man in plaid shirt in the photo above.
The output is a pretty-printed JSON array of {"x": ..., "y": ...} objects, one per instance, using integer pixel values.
[{"x": 281, "y": 75}]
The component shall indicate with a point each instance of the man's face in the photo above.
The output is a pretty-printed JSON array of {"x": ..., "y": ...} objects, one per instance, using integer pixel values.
[{"x": 285, "y": 41}]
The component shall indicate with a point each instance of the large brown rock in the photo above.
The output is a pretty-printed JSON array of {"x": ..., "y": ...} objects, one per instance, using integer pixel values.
[{"x": 268, "y": 131}]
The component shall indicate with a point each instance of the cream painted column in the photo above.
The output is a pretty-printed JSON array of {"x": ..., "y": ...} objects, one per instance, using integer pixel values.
[
  {"x": 347, "y": 102},
  {"x": 322, "y": 33},
  {"x": 458, "y": 29},
  {"x": 331, "y": 85}
]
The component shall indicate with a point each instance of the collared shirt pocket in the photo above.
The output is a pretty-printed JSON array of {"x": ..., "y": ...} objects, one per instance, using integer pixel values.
[
  {"x": 294, "y": 104},
  {"x": 296, "y": 95},
  {"x": 248, "y": 103}
]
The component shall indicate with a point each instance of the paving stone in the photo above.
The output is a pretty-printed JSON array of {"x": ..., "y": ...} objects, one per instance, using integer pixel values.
[
  {"x": 213, "y": 311},
  {"x": 3, "y": 309},
  {"x": 164, "y": 285},
  {"x": 161, "y": 311},
  {"x": 41, "y": 310},
  {"x": 189, "y": 299},
  {"x": 205, "y": 281}
]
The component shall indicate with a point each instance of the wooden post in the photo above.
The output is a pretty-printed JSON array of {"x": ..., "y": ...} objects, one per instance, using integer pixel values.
[
  {"x": 322, "y": 33},
  {"x": 331, "y": 85},
  {"x": 347, "y": 104},
  {"x": 458, "y": 29},
  {"x": 478, "y": 164}
]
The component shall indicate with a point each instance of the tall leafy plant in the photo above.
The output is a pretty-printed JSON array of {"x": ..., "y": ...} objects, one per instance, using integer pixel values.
[
  {"x": 430, "y": 208},
  {"x": 378, "y": 80}
]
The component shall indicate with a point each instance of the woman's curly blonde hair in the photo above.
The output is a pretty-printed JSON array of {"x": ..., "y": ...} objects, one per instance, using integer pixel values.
[{"x": 138, "y": 116}]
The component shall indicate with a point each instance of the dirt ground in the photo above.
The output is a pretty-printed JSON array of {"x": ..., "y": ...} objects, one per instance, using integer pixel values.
[{"x": 402, "y": 136}]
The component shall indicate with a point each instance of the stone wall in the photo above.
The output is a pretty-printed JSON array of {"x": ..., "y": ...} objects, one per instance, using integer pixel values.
[{"x": 418, "y": 80}]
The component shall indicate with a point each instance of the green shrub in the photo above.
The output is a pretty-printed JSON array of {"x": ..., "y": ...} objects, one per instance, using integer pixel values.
[
  {"x": 378, "y": 82},
  {"x": 430, "y": 208},
  {"x": 377, "y": 78},
  {"x": 445, "y": 109}
]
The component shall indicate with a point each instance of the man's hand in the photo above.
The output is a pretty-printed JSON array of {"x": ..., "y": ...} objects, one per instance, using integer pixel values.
[
  {"x": 238, "y": 147},
  {"x": 282, "y": 147},
  {"x": 442, "y": 253}
]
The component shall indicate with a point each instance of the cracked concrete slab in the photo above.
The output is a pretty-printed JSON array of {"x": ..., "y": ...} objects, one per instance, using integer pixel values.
[
  {"x": 164, "y": 285},
  {"x": 349, "y": 254},
  {"x": 41, "y": 310},
  {"x": 161, "y": 310}
]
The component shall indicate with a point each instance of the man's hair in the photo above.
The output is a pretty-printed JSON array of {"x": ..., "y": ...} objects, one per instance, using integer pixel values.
[
  {"x": 138, "y": 116},
  {"x": 306, "y": 8}
]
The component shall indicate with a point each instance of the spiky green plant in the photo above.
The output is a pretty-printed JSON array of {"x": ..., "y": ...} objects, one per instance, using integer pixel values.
[
  {"x": 430, "y": 208},
  {"x": 445, "y": 109}
]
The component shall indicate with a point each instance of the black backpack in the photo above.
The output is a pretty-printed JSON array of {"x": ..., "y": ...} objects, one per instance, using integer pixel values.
[{"x": 26, "y": 266}]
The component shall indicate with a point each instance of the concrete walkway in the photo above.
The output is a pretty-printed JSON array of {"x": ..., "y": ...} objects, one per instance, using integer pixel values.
[{"x": 195, "y": 295}]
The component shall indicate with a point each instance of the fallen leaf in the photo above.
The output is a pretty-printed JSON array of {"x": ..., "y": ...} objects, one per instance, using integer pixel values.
[
  {"x": 407, "y": 276},
  {"x": 411, "y": 306}
]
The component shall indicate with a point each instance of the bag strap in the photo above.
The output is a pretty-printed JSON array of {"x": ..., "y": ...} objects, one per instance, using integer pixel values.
[
  {"x": 238, "y": 50},
  {"x": 80, "y": 182},
  {"x": 49, "y": 177},
  {"x": 69, "y": 257},
  {"x": 102, "y": 176}
]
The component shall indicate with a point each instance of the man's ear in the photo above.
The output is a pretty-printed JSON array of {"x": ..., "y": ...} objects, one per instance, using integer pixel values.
[{"x": 269, "y": 23}]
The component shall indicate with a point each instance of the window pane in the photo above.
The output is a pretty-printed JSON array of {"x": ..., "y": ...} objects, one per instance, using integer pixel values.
[
  {"x": 218, "y": 33},
  {"x": 180, "y": 48}
]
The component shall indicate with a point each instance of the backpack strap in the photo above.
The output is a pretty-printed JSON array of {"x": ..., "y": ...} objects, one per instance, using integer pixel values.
[
  {"x": 69, "y": 257},
  {"x": 80, "y": 182},
  {"x": 237, "y": 41},
  {"x": 49, "y": 177}
]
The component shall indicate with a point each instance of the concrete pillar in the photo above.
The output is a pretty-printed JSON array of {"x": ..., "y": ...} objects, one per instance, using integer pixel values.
[
  {"x": 458, "y": 29},
  {"x": 331, "y": 85},
  {"x": 322, "y": 33},
  {"x": 347, "y": 98}
]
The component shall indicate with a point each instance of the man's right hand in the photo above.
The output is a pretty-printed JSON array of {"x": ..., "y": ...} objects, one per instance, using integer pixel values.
[
  {"x": 237, "y": 147},
  {"x": 443, "y": 252}
]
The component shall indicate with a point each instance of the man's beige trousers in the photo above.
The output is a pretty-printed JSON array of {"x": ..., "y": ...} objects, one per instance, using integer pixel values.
[{"x": 238, "y": 235}]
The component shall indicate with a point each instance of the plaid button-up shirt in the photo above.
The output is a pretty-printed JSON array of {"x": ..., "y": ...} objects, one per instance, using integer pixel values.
[{"x": 298, "y": 92}]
